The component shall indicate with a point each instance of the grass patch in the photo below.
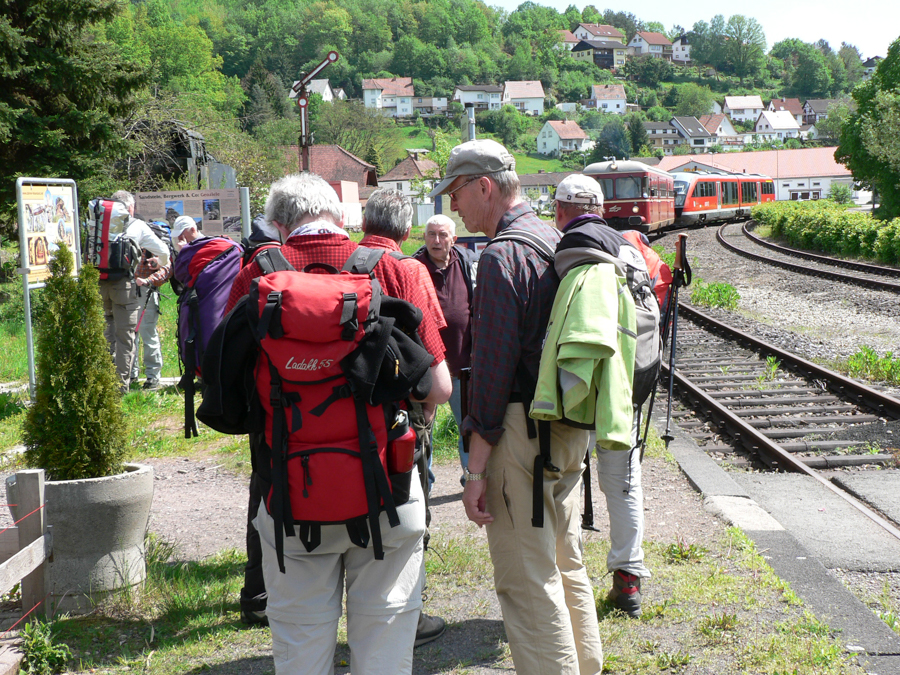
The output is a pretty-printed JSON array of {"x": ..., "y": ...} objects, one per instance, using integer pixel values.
[
  {"x": 866, "y": 363},
  {"x": 714, "y": 294}
]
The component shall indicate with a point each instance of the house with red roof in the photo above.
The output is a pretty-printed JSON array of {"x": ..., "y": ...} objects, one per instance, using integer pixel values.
[
  {"x": 392, "y": 95},
  {"x": 415, "y": 167},
  {"x": 598, "y": 31},
  {"x": 526, "y": 96},
  {"x": 558, "y": 137},
  {"x": 723, "y": 131},
  {"x": 806, "y": 173},
  {"x": 655, "y": 44}
]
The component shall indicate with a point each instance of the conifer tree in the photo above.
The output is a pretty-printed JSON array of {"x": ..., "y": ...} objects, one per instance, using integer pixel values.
[{"x": 75, "y": 428}]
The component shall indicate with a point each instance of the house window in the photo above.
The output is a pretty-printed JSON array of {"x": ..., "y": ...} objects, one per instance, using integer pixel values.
[
  {"x": 698, "y": 141},
  {"x": 480, "y": 96},
  {"x": 604, "y": 105}
]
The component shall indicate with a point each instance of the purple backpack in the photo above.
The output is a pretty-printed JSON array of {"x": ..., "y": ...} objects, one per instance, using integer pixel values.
[{"x": 207, "y": 268}]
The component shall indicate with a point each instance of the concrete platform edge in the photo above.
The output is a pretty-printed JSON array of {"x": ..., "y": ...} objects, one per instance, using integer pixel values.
[{"x": 855, "y": 624}]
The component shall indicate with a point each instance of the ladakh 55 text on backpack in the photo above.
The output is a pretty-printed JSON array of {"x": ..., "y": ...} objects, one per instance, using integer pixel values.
[
  {"x": 329, "y": 358},
  {"x": 207, "y": 268},
  {"x": 111, "y": 252}
]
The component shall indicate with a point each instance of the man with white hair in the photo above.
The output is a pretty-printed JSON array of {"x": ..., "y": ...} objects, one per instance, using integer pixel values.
[
  {"x": 452, "y": 270},
  {"x": 539, "y": 574},
  {"x": 383, "y": 596},
  {"x": 121, "y": 304},
  {"x": 578, "y": 200}
]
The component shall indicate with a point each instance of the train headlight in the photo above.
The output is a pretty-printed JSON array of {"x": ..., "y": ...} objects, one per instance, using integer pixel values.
[{"x": 634, "y": 208}]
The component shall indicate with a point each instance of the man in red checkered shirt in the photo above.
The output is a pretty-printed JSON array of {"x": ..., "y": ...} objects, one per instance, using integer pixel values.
[{"x": 384, "y": 597}]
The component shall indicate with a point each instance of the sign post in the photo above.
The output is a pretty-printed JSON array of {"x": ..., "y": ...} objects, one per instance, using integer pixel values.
[{"x": 48, "y": 216}]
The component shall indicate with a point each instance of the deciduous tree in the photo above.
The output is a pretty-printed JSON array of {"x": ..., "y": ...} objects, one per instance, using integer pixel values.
[{"x": 745, "y": 46}]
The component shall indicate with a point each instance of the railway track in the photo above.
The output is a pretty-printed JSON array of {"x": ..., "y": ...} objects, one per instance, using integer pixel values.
[
  {"x": 783, "y": 411},
  {"x": 860, "y": 274}
]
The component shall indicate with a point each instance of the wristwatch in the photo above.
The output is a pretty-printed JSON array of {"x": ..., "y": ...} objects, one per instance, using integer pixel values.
[{"x": 474, "y": 476}]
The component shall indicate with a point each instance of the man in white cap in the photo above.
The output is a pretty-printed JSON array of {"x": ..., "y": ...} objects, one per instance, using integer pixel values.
[
  {"x": 579, "y": 199},
  {"x": 540, "y": 578},
  {"x": 184, "y": 231}
]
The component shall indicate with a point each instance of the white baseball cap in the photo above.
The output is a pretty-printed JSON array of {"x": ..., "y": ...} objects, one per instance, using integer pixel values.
[
  {"x": 180, "y": 225},
  {"x": 579, "y": 189}
]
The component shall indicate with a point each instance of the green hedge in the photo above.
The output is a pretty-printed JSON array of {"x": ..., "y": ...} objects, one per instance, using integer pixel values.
[{"x": 830, "y": 228}]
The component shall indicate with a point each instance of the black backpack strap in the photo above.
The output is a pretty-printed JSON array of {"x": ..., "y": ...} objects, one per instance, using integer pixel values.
[
  {"x": 272, "y": 260},
  {"x": 587, "y": 518},
  {"x": 190, "y": 361},
  {"x": 538, "y": 243},
  {"x": 398, "y": 255},
  {"x": 363, "y": 260}
]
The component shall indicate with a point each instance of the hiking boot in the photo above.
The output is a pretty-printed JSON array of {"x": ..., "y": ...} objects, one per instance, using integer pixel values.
[
  {"x": 626, "y": 593},
  {"x": 151, "y": 383},
  {"x": 429, "y": 628}
]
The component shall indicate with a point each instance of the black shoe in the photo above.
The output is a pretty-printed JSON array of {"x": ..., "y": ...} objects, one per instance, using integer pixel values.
[
  {"x": 253, "y": 610},
  {"x": 429, "y": 628},
  {"x": 151, "y": 383},
  {"x": 626, "y": 593}
]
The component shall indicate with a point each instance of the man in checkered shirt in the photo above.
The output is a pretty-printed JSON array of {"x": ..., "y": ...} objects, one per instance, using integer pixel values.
[{"x": 544, "y": 590}]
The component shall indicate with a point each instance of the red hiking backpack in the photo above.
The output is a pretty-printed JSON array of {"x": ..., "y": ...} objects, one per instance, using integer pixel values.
[
  {"x": 660, "y": 274},
  {"x": 333, "y": 359},
  {"x": 113, "y": 254}
]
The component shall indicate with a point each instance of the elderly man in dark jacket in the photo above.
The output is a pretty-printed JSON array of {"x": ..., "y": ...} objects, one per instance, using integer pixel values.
[{"x": 452, "y": 269}]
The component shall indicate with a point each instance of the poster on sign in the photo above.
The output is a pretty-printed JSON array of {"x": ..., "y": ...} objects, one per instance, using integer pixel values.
[
  {"x": 216, "y": 212},
  {"x": 47, "y": 217}
]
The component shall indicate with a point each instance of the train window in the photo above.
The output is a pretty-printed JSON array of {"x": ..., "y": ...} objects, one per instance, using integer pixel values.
[
  {"x": 768, "y": 188},
  {"x": 681, "y": 188},
  {"x": 730, "y": 192},
  {"x": 606, "y": 184},
  {"x": 628, "y": 188},
  {"x": 705, "y": 188},
  {"x": 748, "y": 192}
]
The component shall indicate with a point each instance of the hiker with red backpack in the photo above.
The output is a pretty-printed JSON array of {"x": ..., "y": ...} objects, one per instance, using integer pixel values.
[
  {"x": 115, "y": 241},
  {"x": 527, "y": 500},
  {"x": 306, "y": 558}
]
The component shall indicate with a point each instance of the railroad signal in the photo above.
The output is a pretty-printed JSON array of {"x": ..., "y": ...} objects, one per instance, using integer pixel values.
[{"x": 299, "y": 88}]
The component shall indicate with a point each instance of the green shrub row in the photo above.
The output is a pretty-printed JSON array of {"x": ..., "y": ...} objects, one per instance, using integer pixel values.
[{"x": 828, "y": 227}]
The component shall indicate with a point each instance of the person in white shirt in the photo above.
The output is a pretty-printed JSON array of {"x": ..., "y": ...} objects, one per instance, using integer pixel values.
[{"x": 121, "y": 303}]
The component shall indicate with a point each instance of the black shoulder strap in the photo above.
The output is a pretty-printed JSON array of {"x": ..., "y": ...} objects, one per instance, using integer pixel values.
[
  {"x": 398, "y": 255},
  {"x": 363, "y": 260},
  {"x": 272, "y": 260},
  {"x": 538, "y": 243}
]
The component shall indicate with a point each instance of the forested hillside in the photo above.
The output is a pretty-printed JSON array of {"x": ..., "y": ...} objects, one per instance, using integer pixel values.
[{"x": 224, "y": 67}]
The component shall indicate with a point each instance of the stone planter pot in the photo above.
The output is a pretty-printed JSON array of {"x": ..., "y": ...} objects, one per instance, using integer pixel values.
[{"x": 98, "y": 535}]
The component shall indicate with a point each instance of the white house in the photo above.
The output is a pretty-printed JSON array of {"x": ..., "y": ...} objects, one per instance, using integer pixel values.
[
  {"x": 598, "y": 31},
  {"x": 393, "y": 96},
  {"x": 743, "y": 108},
  {"x": 655, "y": 44},
  {"x": 681, "y": 49},
  {"x": 481, "y": 96},
  {"x": 559, "y": 137},
  {"x": 792, "y": 105},
  {"x": 320, "y": 87},
  {"x": 526, "y": 96},
  {"x": 608, "y": 98},
  {"x": 869, "y": 66},
  {"x": 772, "y": 126}
]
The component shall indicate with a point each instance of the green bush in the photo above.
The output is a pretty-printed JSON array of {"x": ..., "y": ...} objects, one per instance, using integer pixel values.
[
  {"x": 714, "y": 294},
  {"x": 828, "y": 227},
  {"x": 41, "y": 655},
  {"x": 75, "y": 428},
  {"x": 840, "y": 193}
]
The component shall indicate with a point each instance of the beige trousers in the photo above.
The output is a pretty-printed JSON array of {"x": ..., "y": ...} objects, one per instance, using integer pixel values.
[{"x": 544, "y": 590}]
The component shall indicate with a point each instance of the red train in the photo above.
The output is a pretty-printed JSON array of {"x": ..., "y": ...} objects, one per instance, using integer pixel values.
[
  {"x": 635, "y": 195},
  {"x": 645, "y": 198}
]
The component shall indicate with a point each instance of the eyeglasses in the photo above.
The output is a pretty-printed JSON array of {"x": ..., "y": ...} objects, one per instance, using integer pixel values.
[{"x": 452, "y": 193}]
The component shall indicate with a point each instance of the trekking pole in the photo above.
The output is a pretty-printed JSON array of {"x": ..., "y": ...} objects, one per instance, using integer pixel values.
[
  {"x": 682, "y": 277},
  {"x": 137, "y": 328}
]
